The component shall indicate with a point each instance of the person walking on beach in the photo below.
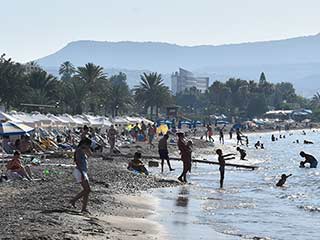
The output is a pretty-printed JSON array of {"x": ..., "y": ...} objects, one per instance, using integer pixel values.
[
  {"x": 231, "y": 133},
  {"x": 81, "y": 173},
  {"x": 136, "y": 131},
  {"x": 308, "y": 159},
  {"x": 151, "y": 133},
  {"x": 112, "y": 134},
  {"x": 163, "y": 151},
  {"x": 222, "y": 162},
  {"x": 143, "y": 130},
  {"x": 185, "y": 155},
  {"x": 210, "y": 133}
]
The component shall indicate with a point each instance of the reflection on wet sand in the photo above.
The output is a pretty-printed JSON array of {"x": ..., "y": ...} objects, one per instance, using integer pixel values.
[{"x": 183, "y": 197}]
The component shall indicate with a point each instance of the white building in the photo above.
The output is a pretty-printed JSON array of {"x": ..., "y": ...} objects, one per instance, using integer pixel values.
[{"x": 185, "y": 80}]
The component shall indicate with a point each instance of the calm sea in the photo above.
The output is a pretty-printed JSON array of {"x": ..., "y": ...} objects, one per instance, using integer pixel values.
[{"x": 250, "y": 206}]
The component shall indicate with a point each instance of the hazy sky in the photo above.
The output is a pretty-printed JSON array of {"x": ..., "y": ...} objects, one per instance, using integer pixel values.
[{"x": 35, "y": 28}]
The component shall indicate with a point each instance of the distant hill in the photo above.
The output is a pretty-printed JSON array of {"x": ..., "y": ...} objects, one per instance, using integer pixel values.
[{"x": 294, "y": 60}]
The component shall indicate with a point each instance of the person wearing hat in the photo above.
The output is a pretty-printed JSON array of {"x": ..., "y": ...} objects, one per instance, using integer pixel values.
[{"x": 185, "y": 156}]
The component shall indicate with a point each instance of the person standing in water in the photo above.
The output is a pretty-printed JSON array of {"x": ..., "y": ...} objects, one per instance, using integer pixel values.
[
  {"x": 239, "y": 136},
  {"x": 221, "y": 135},
  {"x": 185, "y": 155},
  {"x": 81, "y": 173},
  {"x": 222, "y": 162},
  {"x": 163, "y": 151},
  {"x": 308, "y": 159}
]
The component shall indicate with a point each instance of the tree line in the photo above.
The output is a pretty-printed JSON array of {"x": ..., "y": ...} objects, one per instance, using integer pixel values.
[
  {"x": 242, "y": 98},
  {"x": 87, "y": 89}
]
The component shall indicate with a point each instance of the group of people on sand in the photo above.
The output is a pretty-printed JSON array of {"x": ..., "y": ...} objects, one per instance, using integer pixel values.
[{"x": 143, "y": 132}]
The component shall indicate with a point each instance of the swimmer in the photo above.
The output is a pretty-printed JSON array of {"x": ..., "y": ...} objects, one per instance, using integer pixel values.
[
  {"x": 307, "y": 142},
  {"x": 273, "y": 138},
  {"x": 242, "y": 152},
  {"x": 257, "y": 145},
  {"x": 283, "y": 180},
  {"x": 308, "y": 159}
]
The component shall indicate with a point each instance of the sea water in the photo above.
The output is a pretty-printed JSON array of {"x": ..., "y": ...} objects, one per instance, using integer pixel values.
[{"x": 250, "y": 206}]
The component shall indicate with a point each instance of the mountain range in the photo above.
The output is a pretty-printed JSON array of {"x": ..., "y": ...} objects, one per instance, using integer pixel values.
[{"x": 295, "y": 60}]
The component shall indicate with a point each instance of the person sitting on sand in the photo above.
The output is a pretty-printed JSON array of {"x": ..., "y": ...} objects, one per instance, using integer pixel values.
[
  {"x": 80, "y": 173},
  {"x": 14, "y": 166},
  {"x": 242, "y": 152},
  {"x": 222, "y": 162},
  {"x": 137, "y": 165},
  {"x": 163, "y": 151},
  {"x": 308, "y": 159},
  {"x": 283, "y": 180}
]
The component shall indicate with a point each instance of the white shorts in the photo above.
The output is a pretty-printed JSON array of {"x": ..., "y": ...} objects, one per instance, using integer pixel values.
[{"x": 80, "y": 177}]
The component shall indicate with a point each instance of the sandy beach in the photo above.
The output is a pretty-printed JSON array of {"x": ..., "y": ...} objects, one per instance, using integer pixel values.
[
  {"x": 40, "y": 209},
  {"x": 119, "y": 203}
]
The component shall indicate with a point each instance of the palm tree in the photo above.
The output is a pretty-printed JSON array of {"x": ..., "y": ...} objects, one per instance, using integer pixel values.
[
  {"x": 43, "y": 87},
  {"x": 12, "y": 82},
  {"x": 316, "y": 100},
  {"x": 152, "y": 92},
  {"x": 66, "y": 70},
  {"x": 119, "y": 99},
  {"x": 75, "y": 92},
  {"x": 91, "y": 73}
]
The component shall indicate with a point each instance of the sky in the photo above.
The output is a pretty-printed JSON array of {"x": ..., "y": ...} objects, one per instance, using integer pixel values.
[{"x": 31, "y": 29}]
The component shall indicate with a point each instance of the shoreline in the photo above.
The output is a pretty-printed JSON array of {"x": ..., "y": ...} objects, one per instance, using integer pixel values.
[
  {"x": 122, "y": 205},
  {"x": 40, "y": 209}
]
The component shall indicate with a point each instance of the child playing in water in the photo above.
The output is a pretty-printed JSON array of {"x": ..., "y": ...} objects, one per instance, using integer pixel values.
[
  {"x": 222, "y": 158},
  {"x": 242, "y": 152},
  {"x": 283, "y": 180}
]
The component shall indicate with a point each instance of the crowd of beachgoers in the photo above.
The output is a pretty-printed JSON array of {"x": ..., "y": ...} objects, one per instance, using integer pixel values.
[{"x": 40, "y": 168}]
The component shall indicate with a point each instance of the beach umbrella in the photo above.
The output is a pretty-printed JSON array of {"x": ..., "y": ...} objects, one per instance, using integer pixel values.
[{"x": 12, "y": 128}]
